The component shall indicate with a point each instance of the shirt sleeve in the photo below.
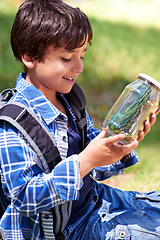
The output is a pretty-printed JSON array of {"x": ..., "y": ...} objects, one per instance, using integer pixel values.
[
  {"x": 102, "y": 173},
  {"x": 24, "y": 182}
]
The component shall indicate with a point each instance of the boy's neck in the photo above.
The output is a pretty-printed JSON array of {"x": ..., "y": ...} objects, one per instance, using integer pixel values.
[{"x": 48, "y": 93}]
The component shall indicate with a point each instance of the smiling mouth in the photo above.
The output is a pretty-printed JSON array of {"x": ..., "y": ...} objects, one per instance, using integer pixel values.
[{"x": 68, "y": 78}]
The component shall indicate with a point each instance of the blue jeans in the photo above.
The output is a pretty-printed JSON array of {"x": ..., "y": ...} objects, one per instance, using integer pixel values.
[{"x": 116, "y": 214}]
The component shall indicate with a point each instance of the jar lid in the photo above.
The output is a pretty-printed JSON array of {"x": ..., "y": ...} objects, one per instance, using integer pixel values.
[{"x": 144, "y": 76}]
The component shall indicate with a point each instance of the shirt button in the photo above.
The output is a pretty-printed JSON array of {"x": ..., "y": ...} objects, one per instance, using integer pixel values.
[
  {"x": 61, "y": 117},
  {"x": 64, "y": 138},
  {"x": 46, "y": 216},
  {"x": 122, "y": 234}
]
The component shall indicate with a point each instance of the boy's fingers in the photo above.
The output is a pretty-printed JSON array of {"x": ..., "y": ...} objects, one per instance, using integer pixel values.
[
  {"x": 147, "y": 126},
  {"x": 153, "y": 118},
  {"x": 140, "y": 136},
  {"x": 158, "y": 110},
  {"x": 102, "y": 134},
  {"x": 129, "y": 147},
  {"x": 113, "y": 139}
]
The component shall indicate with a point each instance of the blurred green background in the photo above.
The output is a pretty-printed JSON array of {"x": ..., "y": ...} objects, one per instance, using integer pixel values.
[{"x": 126, "y": 41}]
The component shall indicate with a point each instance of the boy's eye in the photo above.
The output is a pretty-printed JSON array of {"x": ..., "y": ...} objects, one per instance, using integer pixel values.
[
  {"x": 66, "y": 59},
  {"x": 69, "y": 59}
]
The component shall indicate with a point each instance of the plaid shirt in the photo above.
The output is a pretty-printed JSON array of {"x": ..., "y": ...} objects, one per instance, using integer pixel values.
[{"x": 29, "y": 189}]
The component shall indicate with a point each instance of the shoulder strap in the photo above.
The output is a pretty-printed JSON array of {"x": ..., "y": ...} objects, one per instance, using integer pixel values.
[
  {"x": 77, "y": 101},
  {"x": 35, "y": 133}
]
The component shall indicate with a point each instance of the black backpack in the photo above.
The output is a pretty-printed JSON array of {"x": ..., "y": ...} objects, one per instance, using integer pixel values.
[{"x": 34, "y": 131}]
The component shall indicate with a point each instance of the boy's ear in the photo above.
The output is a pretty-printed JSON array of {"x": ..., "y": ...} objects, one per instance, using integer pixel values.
[{"x": 28, "y": 61}]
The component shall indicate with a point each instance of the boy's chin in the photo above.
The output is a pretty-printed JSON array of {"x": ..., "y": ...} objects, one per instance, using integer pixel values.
[{"x": 67, "y": 90}]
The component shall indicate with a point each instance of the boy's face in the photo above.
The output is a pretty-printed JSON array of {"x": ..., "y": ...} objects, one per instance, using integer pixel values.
[{"x": 58, "y": 70}]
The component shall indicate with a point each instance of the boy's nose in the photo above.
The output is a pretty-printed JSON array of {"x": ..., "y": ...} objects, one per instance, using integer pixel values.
[{"x": 78, "y": 66}]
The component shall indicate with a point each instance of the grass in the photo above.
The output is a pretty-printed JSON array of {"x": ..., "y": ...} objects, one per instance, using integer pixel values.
[
  {"x": 122, "y": 47},
  {"x": 9, "y": 68}
]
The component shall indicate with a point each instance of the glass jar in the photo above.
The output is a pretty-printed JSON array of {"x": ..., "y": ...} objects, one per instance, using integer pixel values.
[{"x": 138, "y": 100}]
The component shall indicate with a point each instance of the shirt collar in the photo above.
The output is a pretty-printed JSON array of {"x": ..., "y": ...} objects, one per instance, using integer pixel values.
[{"x": 37, "y": 100}]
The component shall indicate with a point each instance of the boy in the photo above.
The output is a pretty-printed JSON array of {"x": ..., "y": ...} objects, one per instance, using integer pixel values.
[{"x": 50, "y": 38}]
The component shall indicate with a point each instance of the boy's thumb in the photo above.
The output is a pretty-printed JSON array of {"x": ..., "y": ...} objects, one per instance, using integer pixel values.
[{"x": 102, "y": 134}]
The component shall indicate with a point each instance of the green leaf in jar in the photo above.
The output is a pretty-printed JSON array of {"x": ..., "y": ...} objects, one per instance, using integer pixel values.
[{"x": 123, "y": 119}]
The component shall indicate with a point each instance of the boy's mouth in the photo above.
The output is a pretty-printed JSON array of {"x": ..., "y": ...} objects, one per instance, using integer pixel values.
[{"x": 69, "y": 79}]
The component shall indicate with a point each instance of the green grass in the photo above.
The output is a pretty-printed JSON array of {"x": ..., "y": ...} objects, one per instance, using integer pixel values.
[
  {"x": 9, "y": 68},
  {"x": 120, "y": 50}
]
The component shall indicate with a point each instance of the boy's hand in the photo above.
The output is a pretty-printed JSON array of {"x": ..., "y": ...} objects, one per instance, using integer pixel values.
[
  {"x": 103, "y": 151},
  {"x": 147, "y": 125}
]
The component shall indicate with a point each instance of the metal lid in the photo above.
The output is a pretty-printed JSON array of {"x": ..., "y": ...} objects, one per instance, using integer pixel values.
[{"x": 144, "y": 76}]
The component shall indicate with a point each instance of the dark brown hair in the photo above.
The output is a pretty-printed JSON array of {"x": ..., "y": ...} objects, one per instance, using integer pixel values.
[{"x": 41, "y": 23}]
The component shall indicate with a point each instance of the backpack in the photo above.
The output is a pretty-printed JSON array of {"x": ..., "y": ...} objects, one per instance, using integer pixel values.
[{"x": 19, "y": 116}]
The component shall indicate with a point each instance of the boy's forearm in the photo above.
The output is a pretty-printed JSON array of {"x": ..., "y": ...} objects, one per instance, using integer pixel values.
[{"x": 84, "y": 165}]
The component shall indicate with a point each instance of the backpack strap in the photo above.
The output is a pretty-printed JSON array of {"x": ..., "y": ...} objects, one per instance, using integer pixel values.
[{"x": 19, "y": 116}]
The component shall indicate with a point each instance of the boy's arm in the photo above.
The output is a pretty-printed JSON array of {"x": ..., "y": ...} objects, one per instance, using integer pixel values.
[{"x": 26, "y": 185}]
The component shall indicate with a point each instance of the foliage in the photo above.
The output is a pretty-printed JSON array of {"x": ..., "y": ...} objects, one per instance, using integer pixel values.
[{"x": 9, "y": 68}]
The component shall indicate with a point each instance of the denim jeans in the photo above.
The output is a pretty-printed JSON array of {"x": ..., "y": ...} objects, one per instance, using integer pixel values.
[{"x": 116, "y": 214}]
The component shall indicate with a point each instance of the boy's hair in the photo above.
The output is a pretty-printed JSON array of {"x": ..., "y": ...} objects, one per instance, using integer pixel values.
[{"x": 41, "y": 23}]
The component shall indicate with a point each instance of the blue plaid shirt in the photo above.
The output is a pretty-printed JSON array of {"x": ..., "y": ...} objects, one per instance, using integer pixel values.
[{"x": 29, "y": 189}]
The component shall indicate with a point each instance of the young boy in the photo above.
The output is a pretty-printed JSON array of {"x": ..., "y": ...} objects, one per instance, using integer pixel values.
[{"x": 50, "y": 38}]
